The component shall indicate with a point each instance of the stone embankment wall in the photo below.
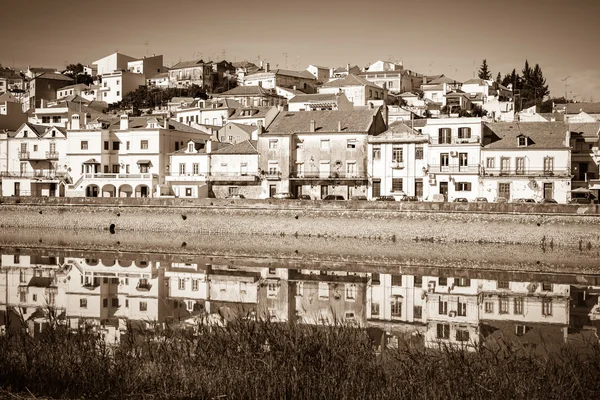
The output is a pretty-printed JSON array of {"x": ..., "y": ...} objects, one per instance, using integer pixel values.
[{"x": 561, "y": 225}]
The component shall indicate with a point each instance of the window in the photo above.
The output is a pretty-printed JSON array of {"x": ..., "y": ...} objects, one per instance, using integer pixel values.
[
  {"x": 503, "y": 305},
  {"x": 444, "y": 159},
  {"x": 464, "y": 133},
  {"x": 118, "y": 92},
  {"x": 115, "y": 168},
  {"x": 397, "y": 155},
  {"x": 418, "y": 152},
  {"x": 181, "y": 284},
  {"x": 325, "y": 144},
  {"x": 23, "y": 297},
  {"x": 546, "y": 307},
  {"x": 35, "y": 147},
  {"x": 546, "y": 287},
  {"x": 518, "y": 306},
  {"x": 396, "y": 307},
  {"x": 105, "y": 303},
  {"x": 462, "y": 308},
  {"x": 273, "y": 144},
  {"x": 520, "y": 165},
  {"x": 462, "y": 159},
  {"x": 143, "y": 306},
  {"x": 462, "y": 282},
  {"x": 502, "y": 284},
  {"x": 116, "y": 145},
  {"x": 106, "y": 145},
  {"x": 504, "y": 165},
  {"x": 144, "y": 168},
  {"x": 443, "y": 281},
  {"x": 376, "y": 152},
  {"x": 462, "y": 335},
  {"x": 56, "y": 120},
  {"x": 488, "y": 307},
  {"x": 350, "y": 291},
  {"x": 45, "y": 120},
  {"x": 272, "y": 290},
  {"x": 22, "y": 277},
  {"x": 443, "y": 307},
  {"x": 443, "y": 331},
  {"x": 463, "y": 186},
  {"x": 548, "y": 164},
  {"x": 115, "y": 302},
  {"x": 522, "y": 141},
  {"x": 273, "y": 167},
  {"x": 323, "y": 290},
  {"x": 128, "y": 145},
  {"x": 374, "y": 309},
  {"x": 16, "y": 258},
  {"x": 397, "y": 185},
  {"x": 84, "y": 145},
  {"x": 126, "y": 303},
  {"x": 351, "y": 143},
  {"x": 144, "y": 145},
  {"x": 520, "y": 330},
  {"x": 299, "y": 289},
  {"x": 489, "y": 162},
  {"x": 181, "y": 168},
  {"x": 195, "y": 168},
  {"x": 445, "y": 136},
  {"x": 188, "y": 192},
  {"x": 418, "y": 312},
  {"x": 82, "y": 303},
  {"x": 396, "y": 280},
  {"x": 234, "y": 190}
]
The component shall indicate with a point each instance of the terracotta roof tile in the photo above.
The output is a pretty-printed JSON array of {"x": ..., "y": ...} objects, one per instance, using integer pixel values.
[{"x": 542, "y": 135}]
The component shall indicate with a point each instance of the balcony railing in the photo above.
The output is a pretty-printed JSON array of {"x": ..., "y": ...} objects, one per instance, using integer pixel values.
[
  {"x": 527, "y": 172},
  {"x": 455, "y": 140},
  {"x": 295, "y": 174},
  {"x": 48, "y": 155},
  {"x": 453, "y": 169},
  {"x": 119, "y": 176},
  {"x": 235, "y": 176},
  {"x": 52, "y": 155},
  {"x": 39, "y": 174},
  {"x": 24, "y": 155},
  {"x": 397, "y": 164}
]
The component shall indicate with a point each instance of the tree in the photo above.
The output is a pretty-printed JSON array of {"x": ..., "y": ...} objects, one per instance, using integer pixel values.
[
  {"x": 499, "y": 78},
  {"x": 76, "y": 72},
  {"x": 477, "y": 111},
  {"x": 484, "y": 72}
]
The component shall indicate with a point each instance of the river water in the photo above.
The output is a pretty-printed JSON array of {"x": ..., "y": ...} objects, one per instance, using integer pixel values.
[{"x": 460, "y": 294}]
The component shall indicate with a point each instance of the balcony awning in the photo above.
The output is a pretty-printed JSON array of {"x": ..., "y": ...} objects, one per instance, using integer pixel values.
[
  {"x": 91, "y": 161},
  {"x": 144, "y": 162}
]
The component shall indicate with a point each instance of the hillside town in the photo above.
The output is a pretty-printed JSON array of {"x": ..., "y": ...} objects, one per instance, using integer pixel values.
[{"x": 132, "y": 127}]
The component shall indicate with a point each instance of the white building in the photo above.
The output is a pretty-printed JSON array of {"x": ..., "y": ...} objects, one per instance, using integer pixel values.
[
  {"x": 320, "y": 73},
  {"x": 115, "y": 85},
  {"x": 359, "y": 91},
  {"x": 319, "y": 101},
  {"x": 397, "y": 162},
  {"x": 112, "y": 63},
  {"x": 526, "y": 160},
  {"x": 189, "y": 169}
]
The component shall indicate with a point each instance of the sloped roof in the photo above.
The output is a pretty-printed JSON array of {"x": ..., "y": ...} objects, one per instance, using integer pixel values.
[
  {"x": 408, "y": 94},
  {"x": 586, "y": 129},
  {"x": 303, "y": 98},
  {"x": 288, "y": 123},
  {"x": 442, "y": 79},
  {"x": 400, "y": 132},
  {"x": 246, "y": 128},
  {"x": 55, "y": 77},
  {"x": 344, "y": 69},
  {"x": 248, "y": 91},
  {"x": 7, "y": 96},
  {"x": 41, "y": 281},
  {"x": 178, "y": 126},
  {"x": 39, "y": 130},
  {"x": 188, "y": 64},
  {"x": 283, "y": 72},
  {"x": 350, "y": 80},
  {"x": 474, "y": 81},
  {"x": 542, "y": 135},
  {"x": 588, "y": 108},
  {"x": 245, "y": 147},
  {"x": 182, "y": 100},
  {"x": 258, "y": 112},
  {"x": 78, "y": 85},
  {"x": 557, "y": 116},
  {"x": 433, "y": 87},
  {"x": 159, "y": 76}
]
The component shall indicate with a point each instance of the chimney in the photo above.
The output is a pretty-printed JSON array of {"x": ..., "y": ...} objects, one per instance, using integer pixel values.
[
  {"x": 261, "y": 64},
  {"x": 166, "y": 123},
  {"x": 339, "y": 126},
  {"x": 312, "y": 125},
  {"x": 254, "y": 134},
  {"x": 371, "y": 106},
  {"x": 267, "y": 67},
  {"x": 348, "y": 68},
  {"x": 208, "y": 146},
  {"x": 259, "y": 126},
  {"x": 75, "y": 122},
  {"x": 124, "y": 122},
  {"x": 85, "y": 121},
  {"x": 294, "y": 87}
]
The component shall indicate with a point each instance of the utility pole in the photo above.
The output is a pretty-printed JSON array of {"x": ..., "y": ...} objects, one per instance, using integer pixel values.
[{"x": 566, "y": 85}]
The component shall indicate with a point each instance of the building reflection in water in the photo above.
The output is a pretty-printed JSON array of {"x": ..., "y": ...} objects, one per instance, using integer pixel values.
[{"x": 113, "y": 295}]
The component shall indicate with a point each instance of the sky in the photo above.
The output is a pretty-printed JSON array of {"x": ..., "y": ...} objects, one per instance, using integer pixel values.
[{"x": 428, "y": 36}]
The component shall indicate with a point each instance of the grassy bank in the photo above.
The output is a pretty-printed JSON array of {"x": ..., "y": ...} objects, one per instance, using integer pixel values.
[{"x": 271, "y": 361}]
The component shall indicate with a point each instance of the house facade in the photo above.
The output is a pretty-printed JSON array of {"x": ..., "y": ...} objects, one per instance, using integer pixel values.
[
  {"x": 234, "y": 170},
  {"x": 358, "y": 90},
  {"x": 319, "y": 102},
  {"x": 187, "y": 73},
  {"x": 117, "y": 84},
  {"x": 270, "y": 79},
  {"x": 527, "y": 160}
]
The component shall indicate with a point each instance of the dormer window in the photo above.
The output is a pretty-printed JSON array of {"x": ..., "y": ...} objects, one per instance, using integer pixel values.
[
  {"x": 191, "y": 147},
  {"x": 522, "y": 141}
]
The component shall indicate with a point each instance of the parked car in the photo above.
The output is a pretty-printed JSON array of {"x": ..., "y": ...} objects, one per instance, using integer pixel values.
[
  {"x": 333, "y": 197},
  {"x": 481, "y": 200},
  {"x": 438, "y": 198},
  {"x": 501, "y": 200},
  {"x": 385, "y": 198},
  {"x": 409, "y": 198},
  {"x": 580, "y": 200},
  {"x": 236, "y": 196},
  {"x": 548, "y": 201},
  {"x": 524, "y": 201},
  {"x": 359, "y": 198},
  {"x": 461, "y": 200},
  {"x": 283, "y": 195},
  {"x": 304, "y": 197}
]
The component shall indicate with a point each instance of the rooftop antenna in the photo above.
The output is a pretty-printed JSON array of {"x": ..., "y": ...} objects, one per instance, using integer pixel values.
[{"x": 565, "y": 80}]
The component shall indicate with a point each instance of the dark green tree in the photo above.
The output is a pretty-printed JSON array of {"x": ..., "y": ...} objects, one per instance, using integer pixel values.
[
  {"x": 75, "y": 71},
  {"x": 484, "y": 72},
  {"x": 499, "y": 78}
]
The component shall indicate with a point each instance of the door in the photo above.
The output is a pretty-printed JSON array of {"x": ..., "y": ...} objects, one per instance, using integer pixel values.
[
  {"x": 272, "y": 190},
  {"x": 504, "y": 190},
  {"x": 324, "y": 169},
  {"x": 583, "y": 169},
  {"x": 350, "y": 192},
  {"x": 419, "y": 188},
  {"x": 52, "y": 189},
  {"x": 376, "y": 188},
  {"x": 143, "y": 191},
  {"x": 17, "y": 188},
  {"x": 444, "y": 190},
  {"x": 324, "y": 191},
  {"x": 298, "y": 191},
  {"x": 548, "y": 191}
]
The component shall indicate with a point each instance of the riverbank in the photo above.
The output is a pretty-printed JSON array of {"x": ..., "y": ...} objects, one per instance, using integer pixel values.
[
  {"x": 261, "y": 360},
  {"x": 449, "y": 223}
]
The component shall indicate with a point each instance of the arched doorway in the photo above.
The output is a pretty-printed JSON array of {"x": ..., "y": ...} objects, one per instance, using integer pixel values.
[
  {"x": 142, "y": 191},
  {"x": 125, "y": 191},
  {"x": 108, "y": 190},
  {"x": 92, "y": 191}
]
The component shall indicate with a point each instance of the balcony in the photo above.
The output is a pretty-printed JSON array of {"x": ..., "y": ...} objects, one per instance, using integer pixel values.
[
  {"x": 48, "y": 155},
  {"x": 527, "y": 172},
  {"x": 397, "y": 164},
  {"x": 41, "y": 174},
  {"x": 119, "y": 176},
  {"x": 271, "y": 175},
  {"x": 202, "y": 177},
  {"x": 328, "y": 175},
  {"x": 235, "y": 176},
  {"x": 453, "y": 169},
  {"x": 453, "y": 140},
  {"x": 51, "y": 155}
]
